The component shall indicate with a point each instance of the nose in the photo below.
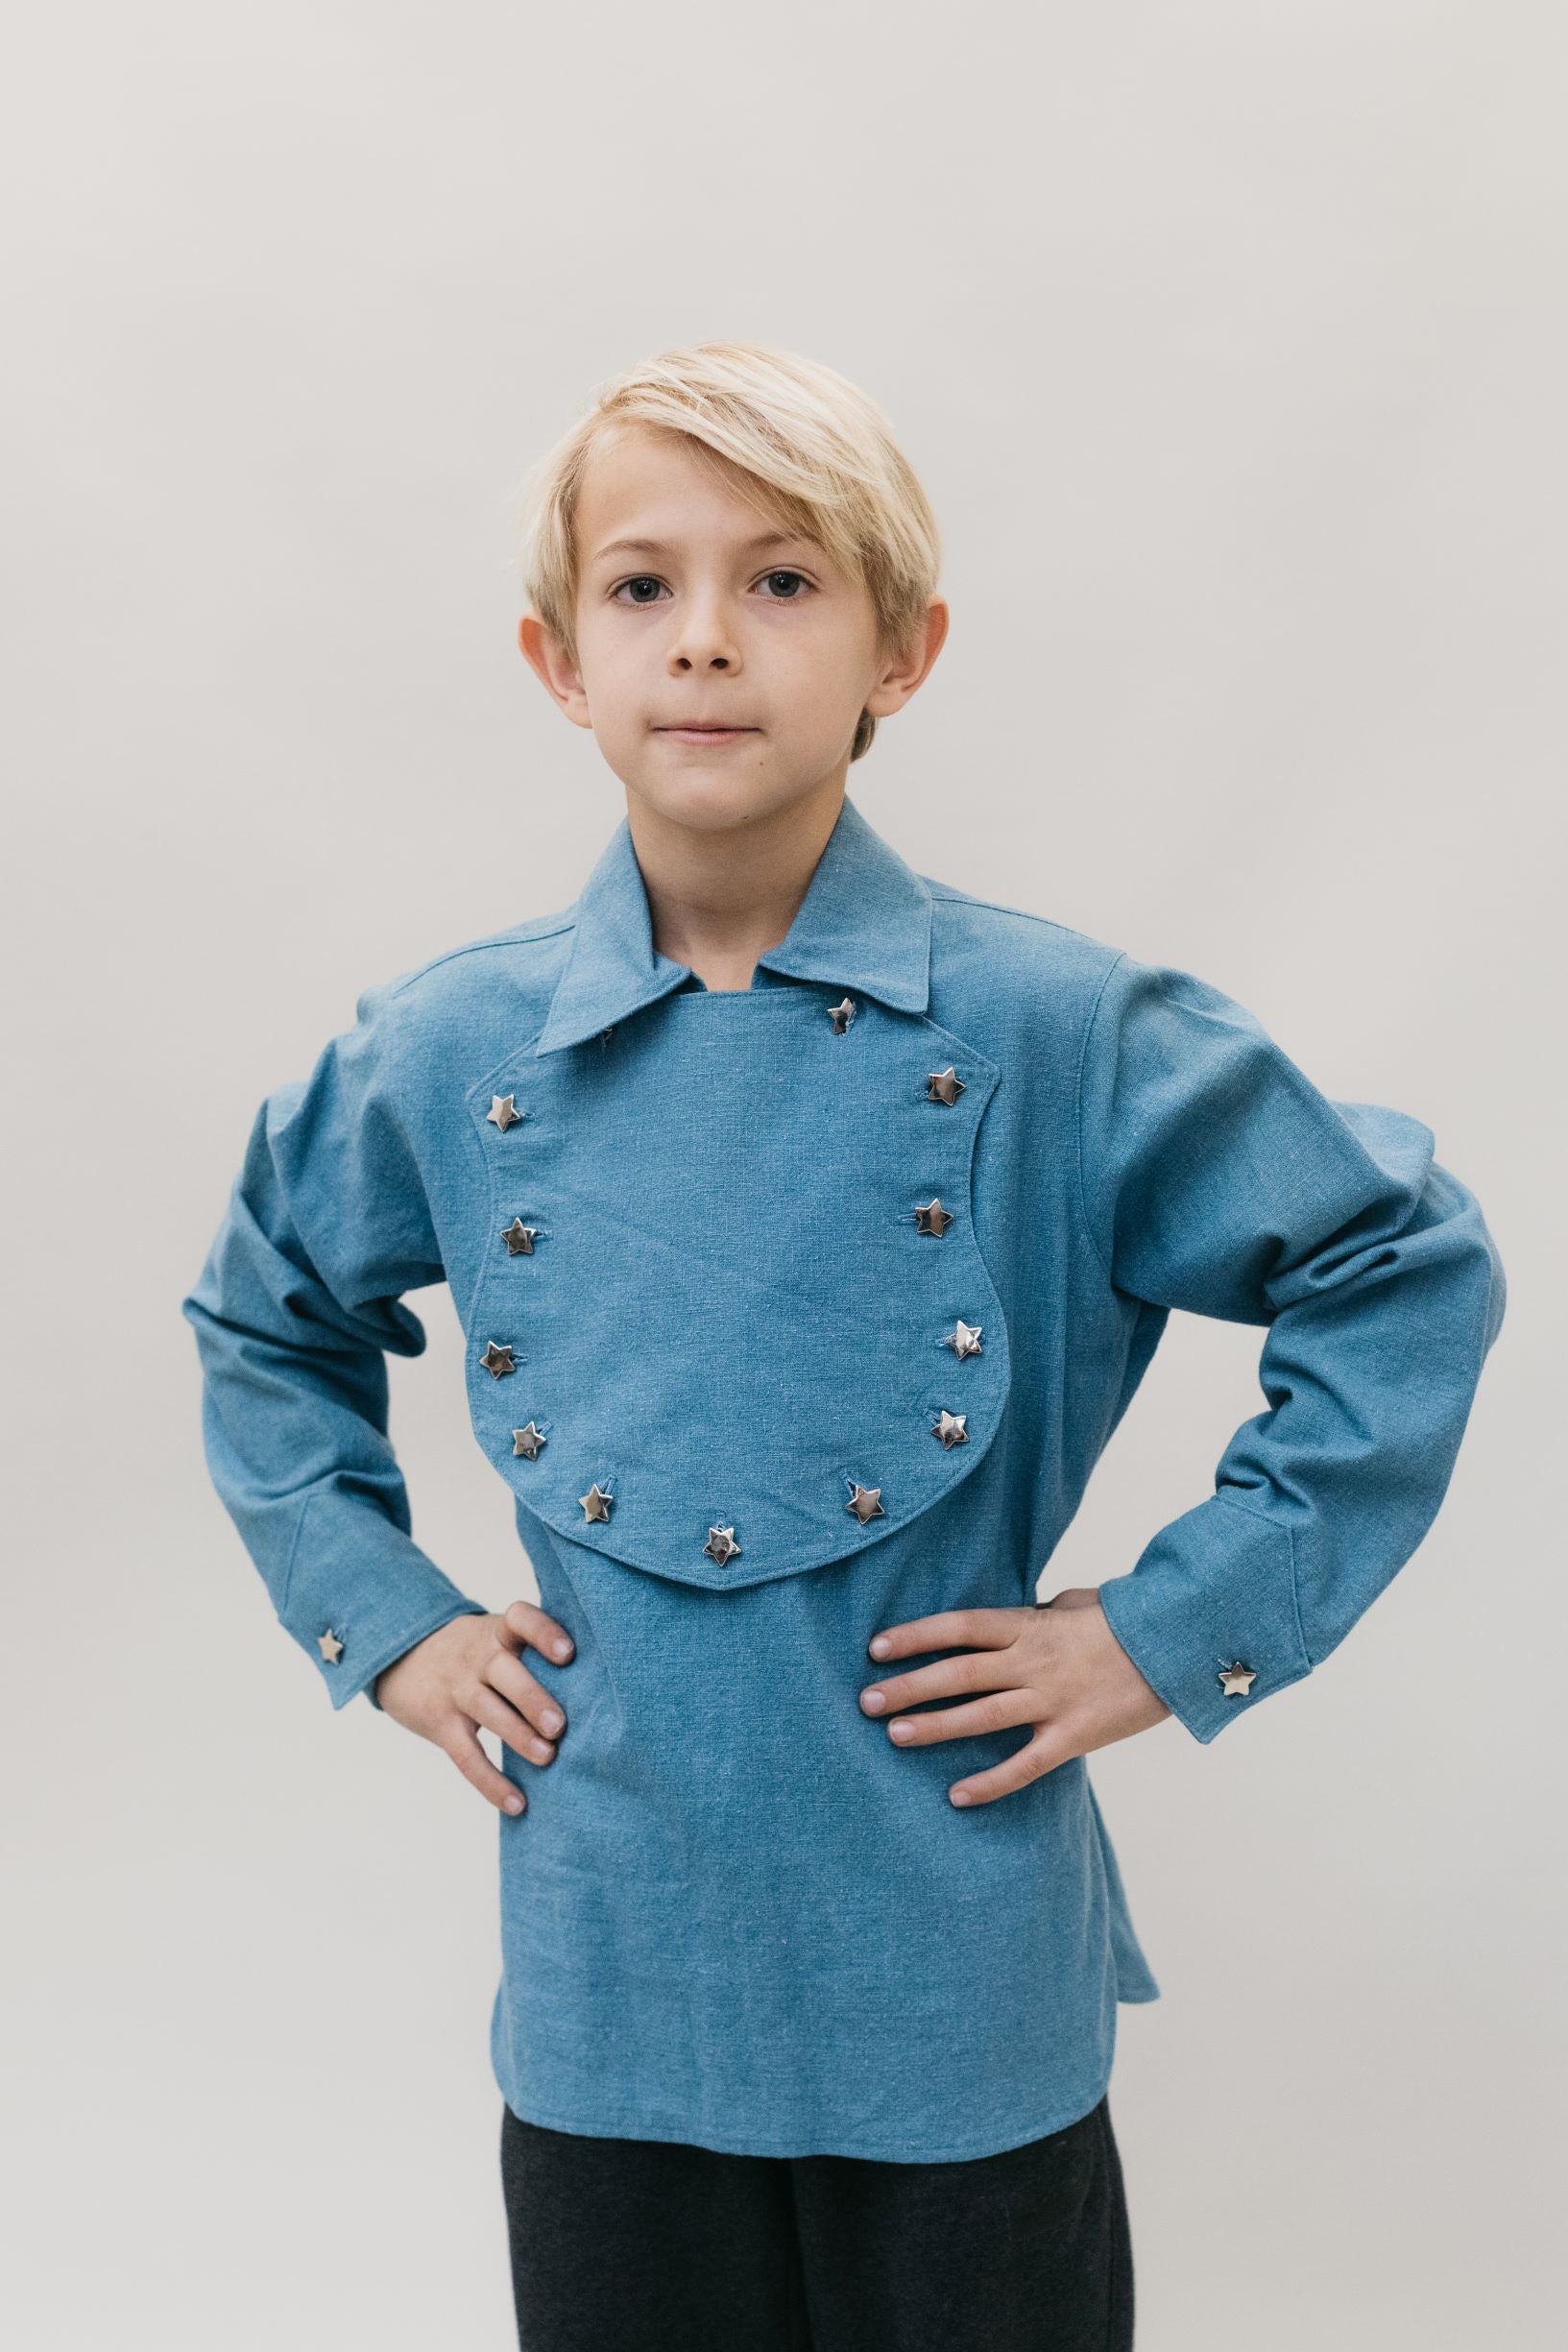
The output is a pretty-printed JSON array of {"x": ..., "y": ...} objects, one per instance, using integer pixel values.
[{"x": 705, "y": 639}]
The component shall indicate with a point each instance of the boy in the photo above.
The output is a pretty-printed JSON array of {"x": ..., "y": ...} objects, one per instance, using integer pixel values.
[{"x": 811, "y": 1223}]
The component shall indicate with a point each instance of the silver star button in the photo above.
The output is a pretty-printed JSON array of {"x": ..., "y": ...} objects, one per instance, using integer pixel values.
[
  {"x": 329, "y": 1646},
  {"x": 519, "y": 1238},
  {"x": 964, "y": 1338},
  {"x": 503, "y": 1111},
  {"x": 949, "y": 1428},
  {"x": 933, "y": 1218},
  {"x": 721, "y": 1544},
  {"x": 1236, "y": 1680},
  {"x": 497, "y": 1359},
  {"x": 865, "y": 1502},
  {"x": 527, "y": 1440},
  {"x": 595, "y": 1503},
  {"x": 843, "y": 1013},
  {"x": 945, "y": 1085}
]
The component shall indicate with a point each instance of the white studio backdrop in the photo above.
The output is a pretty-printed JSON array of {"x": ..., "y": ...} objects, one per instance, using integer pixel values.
[{"x": 1229, "y": 342}]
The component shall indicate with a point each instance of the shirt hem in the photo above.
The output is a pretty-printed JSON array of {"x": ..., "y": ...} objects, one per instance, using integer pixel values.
[{"x": 643, "y": 2128}]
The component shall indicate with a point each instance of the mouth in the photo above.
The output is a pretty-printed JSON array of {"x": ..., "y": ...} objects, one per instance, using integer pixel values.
[{"x": 698, "y": 731}]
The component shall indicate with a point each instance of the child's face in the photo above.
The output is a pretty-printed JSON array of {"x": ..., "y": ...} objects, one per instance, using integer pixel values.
[{"x": 718, "y": 618}]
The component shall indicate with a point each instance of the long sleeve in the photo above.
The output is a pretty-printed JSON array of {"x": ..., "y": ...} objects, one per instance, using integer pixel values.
[
  {"x": 1218, "y": 1180},
  {"x": 294, "y": 1312}
]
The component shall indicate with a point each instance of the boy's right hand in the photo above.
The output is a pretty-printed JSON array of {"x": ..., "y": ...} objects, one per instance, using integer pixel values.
[{"x": 468, "y": 1673}]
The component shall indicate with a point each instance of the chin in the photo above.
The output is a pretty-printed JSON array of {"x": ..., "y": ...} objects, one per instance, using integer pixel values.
[{"x": 704, "y": 796}]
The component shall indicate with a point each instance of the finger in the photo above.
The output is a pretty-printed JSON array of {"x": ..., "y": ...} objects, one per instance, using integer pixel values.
[
  {"x": 531, "y": 1624},
  {"x": 998, "y": 1711},
  {"x": 490, "y": 1710},
  {"x": 972, "y": 1670},
  {"x": 1050, "y": 1747},
  {"x": 462, "y": 1745},
  {"x": 511, "y": 1678},
  {"x": 954, "y": 1628}
]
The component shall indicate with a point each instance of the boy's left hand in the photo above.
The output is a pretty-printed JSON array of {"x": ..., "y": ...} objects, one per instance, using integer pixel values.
[{"x": 1061, "y": 1670}]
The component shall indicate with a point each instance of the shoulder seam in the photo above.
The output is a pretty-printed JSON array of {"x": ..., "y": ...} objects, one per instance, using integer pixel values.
[
  {"x": 953, "y": 897},
  {"x": 520, "y": 937},
  {"x": 1078, "y": 1115}
]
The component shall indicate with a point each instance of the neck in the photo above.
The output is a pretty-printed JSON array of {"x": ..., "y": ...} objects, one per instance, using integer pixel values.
[{"x": 721, "y": 896}]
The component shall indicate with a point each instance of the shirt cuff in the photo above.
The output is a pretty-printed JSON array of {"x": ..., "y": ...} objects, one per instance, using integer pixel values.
[
  {"x": 360, "y": 1592},
  {"x": 1208, "y": 1613}
]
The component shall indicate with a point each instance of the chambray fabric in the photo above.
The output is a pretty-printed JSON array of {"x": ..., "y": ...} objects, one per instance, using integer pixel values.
[{"x": 734, "y": 1914}]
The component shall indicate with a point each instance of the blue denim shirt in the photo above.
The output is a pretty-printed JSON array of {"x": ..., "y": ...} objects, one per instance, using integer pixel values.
[{"x": 715, "y": 1248}]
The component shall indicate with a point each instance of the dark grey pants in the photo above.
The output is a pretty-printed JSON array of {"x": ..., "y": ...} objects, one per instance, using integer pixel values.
[{"x": 649, "y": 2245}]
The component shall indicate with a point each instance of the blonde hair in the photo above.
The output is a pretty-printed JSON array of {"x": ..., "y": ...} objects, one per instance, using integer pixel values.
[{"x": 814, "y": 454}]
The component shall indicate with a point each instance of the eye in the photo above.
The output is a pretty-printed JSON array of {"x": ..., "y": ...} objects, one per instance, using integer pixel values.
[
  {"x": 784, "y": 586},
  {"x": 786, "y": 598},
  {"x": 644, "y": 580}
]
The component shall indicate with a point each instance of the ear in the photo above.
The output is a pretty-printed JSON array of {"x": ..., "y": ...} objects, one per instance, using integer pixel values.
[
  {"x": 547, "y": 657},
  {"x": 905, "y": 671}
]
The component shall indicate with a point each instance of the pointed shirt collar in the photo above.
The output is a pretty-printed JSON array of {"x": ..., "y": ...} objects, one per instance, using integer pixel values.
[{"x": 865, "y": 922}]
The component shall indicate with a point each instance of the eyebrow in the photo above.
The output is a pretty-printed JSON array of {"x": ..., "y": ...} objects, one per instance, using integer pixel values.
[{"x": 660, "y": 547}]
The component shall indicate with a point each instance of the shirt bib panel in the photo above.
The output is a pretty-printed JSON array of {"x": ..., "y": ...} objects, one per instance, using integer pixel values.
[{"x": 720, "y": 1332}]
